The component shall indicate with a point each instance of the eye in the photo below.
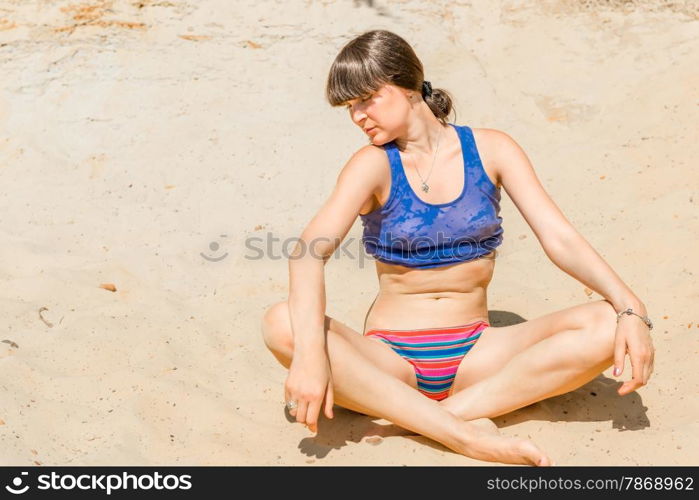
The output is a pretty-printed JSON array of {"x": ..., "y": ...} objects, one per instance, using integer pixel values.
[{"x": 359, "y": 99}]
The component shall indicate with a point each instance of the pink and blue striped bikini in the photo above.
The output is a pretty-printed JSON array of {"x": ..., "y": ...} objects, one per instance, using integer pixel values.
[{"x": 435, "y": 353}]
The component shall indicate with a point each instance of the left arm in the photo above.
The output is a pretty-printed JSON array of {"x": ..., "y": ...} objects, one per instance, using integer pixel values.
[{"x": 569, "y": 251}]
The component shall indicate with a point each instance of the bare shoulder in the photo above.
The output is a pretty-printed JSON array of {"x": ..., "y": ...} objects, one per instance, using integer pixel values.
[
  {"x": 489, "y": 142},
  {"x": 495, "y": 143},
  {"x": 365, "y": 164},
  {"x": 495, "y": 148},
  {"x": 368, "y": 174}
]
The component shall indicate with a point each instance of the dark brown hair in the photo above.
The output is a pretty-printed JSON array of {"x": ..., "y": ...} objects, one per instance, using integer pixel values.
[{"x": 380, "y": 57}]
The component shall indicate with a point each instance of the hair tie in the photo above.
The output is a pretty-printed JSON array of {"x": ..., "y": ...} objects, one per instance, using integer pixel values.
[{"x": 426, "y": 89}]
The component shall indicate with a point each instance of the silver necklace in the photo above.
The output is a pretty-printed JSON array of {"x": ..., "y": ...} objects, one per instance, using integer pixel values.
[{"x": 425, "y": 187}]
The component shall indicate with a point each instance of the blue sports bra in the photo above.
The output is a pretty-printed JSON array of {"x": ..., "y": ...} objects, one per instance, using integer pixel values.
[{"x": 410, "y": 232}]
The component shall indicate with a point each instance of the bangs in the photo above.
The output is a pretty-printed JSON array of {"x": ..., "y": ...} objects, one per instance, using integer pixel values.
[{"x": 351, "y": 77}]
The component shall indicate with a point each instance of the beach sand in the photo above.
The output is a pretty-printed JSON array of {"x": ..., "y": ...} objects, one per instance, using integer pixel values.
[{"x": 156, "y": 146}]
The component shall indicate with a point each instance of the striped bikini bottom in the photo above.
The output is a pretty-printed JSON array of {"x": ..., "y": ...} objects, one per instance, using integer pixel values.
[{"x": 435, "y": 353}]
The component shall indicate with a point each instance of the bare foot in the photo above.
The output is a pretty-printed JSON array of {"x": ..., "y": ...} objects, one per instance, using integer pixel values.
[
  {"x": 486, "y": 425},
  {"x": 488, "y": 445}
]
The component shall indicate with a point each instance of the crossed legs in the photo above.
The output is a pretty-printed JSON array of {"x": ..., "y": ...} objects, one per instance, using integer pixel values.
[
  {"x": 370, "y": 378},
  {"x": 515, "y": 366}
]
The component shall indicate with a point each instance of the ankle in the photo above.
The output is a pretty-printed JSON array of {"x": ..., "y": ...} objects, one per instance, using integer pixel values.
[{"x": 465, "y": 435}]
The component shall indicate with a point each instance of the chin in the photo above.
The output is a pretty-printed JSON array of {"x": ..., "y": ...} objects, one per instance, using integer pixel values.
[{"x": 376, "y": 141}]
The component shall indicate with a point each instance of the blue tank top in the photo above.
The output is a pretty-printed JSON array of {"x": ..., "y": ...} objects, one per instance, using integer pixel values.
[{"x": 410, "y": 232}]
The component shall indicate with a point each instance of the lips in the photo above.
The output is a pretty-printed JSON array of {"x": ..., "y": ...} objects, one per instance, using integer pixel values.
[{"x": 369, "y": 129}]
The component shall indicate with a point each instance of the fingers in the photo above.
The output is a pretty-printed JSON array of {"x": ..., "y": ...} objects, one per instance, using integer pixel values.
[
  {"x": 309, "y": 404},
  {"x": 312, "y": 415},
  {"x": 304, "y": 411},
  {"x": 301, "y": 411},
  {"x": 652, "y": 366},
  {"x": 308, "y": 412},
  {"x": 648, "y": 365},
  {"x": 637, "y": 366},
  {"x": 646, "y": 371},
  {"x": 287, "y": 398},
  {"x": 329, "y": 400},
  {"x": 619, "y": 352},
  {"x": 642, "y": 355}
]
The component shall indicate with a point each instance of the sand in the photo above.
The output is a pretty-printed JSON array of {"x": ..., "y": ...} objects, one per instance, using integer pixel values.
[{"x": 153, "y": 145}]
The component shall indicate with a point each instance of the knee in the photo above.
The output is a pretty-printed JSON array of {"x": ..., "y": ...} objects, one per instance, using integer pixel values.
[
  {"x": 603, "y": 326},
  {"x": 276, "y": 327}
]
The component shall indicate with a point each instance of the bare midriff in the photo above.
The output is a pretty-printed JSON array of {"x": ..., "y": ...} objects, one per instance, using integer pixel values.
[{"x": 410, "y": 299}]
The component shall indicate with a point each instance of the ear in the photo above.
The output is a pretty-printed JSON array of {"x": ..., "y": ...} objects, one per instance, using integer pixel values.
[{"x": 409, "y": 94}]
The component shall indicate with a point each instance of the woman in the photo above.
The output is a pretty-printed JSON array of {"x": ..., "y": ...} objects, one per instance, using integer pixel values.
[{"x": 428, "y": 194}]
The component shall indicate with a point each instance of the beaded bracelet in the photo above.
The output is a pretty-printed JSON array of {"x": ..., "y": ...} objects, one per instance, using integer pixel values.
[{"x": 629, "y": 311}]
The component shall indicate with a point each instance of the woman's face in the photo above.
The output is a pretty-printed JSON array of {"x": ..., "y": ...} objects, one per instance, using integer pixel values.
[{"x": 381, "y": 115}]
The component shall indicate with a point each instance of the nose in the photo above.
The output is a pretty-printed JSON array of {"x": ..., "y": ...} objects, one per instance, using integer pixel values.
[
  {"x": 357, "y": 115},
  {"x": 357, "y": 111}
]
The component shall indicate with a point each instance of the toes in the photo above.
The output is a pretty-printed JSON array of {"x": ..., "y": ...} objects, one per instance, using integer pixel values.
[{"x": 535, "y": 456}]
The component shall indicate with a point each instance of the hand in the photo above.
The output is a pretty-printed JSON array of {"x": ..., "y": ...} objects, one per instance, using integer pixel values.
[
  {"x": 308, "y": 382},
  {"x": 633, "y": 335}
]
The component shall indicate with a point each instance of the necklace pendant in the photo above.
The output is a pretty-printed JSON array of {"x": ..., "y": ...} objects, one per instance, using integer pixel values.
[{"x": 425, "y": 187}]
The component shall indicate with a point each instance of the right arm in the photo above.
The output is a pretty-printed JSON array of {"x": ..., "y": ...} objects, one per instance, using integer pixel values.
[
  {"x": 356, "y": 184},
  {"x": 309, "y": 370}
]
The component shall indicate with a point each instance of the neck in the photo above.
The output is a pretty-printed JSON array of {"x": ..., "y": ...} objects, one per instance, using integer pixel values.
[{"x": 422, "y": 131}]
